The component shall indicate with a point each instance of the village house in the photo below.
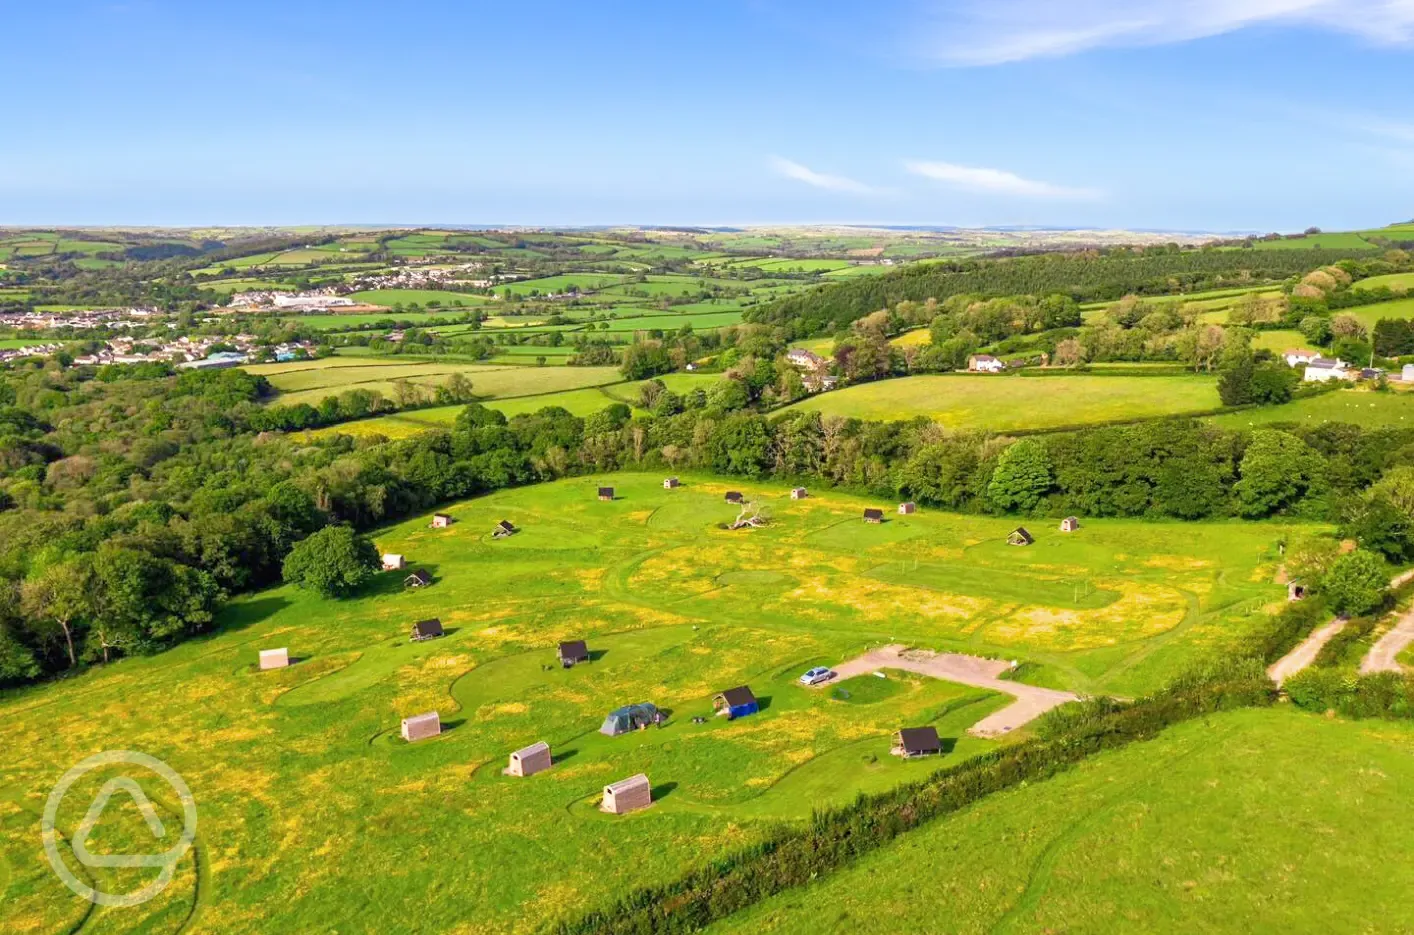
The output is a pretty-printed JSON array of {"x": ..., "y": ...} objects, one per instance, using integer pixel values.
[
  {"x": 1298, "y": 357},
  {"x": 1325, "y": 369},
  {"x": 985, "y": 363}
]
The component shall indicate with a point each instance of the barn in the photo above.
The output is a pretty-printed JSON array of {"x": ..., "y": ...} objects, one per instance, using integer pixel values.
[
  {"x": 274, "y": 659},
  {"x": 798, "y": 493},
  {"x": 1019, "y": 536},
  {"x": 917, "y": 741},
  {"x": 426, "y": 630},
  {"x": 1069, "y": 524},
  {"x": 529, "y": 761},
  {"x": 441, "y": 520},
  {"x": 393, "y": 562},
  {"x": 907, "y": 508},
  {"x": 873, "y": 516},
  {"x": 418, "y": 579},
  {"x": 627, "y": 795},
  {"x": 606, "y": 493},
  {"x": 572, "y": 652},
  {"x": 628, "y": 718},
  {"x": 669, "y": 483},
  {"x": 422, "y": 726},
  {"x": 736, "y": 702}
]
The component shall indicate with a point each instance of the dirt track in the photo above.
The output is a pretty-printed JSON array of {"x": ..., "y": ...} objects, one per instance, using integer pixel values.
[
  {"x": 1305, "y": 652},
  {"x": 1031, "y": 702}
]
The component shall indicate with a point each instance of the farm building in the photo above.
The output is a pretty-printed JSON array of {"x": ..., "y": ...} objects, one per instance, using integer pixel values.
[
  {"x": 908, "y": 507},
  {"x": 1069, "y": 524},
  {"x": 627, "y": 795},
  {"x": 606, "y": 493},
  {"x": 798, "y": 493},
  {"x": 736, "y": 702},
  {"x": 422, "y": 726},
  {"x": 441, "y": 520},
  {"x": 274, "y": 658},
  {"x": 985, "y": 363},
  {"x": 426, "y": 629},
  {"x": 669, "y": 483},
  {"x": 734, "y": 496},
  {"x": 393, "y": 562},
  {"x": 873, "y": 516},
  {"x": 629, "y": 717},
  {"x": 1019, "y": 536},
  {"x": 418, "y": 579},
  {"x": 573, "y": 651},
  {"x": 917, "y": 741},
  {"x": 530, "y": 760},
  {"x": 503, "y": 529},
  {"x": 1296, "y": 590}
]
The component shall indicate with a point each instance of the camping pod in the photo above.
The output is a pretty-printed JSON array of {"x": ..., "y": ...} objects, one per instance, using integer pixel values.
[
  {"x": 529, "y": 760},
  {"x": 627, "y": 795},
  {"x": 422, "y": 726}
]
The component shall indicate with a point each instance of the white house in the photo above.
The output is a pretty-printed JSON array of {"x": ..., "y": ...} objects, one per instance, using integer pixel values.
[
  {"x": 1324, "y": 369},
  {"x": 985, "y": 363},
  {"x": 1296, "y": 358},
  {"x": 802, "y": 357}
]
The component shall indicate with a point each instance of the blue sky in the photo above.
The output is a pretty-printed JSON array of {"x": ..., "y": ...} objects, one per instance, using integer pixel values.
[{"x": 1183, "y": 114}]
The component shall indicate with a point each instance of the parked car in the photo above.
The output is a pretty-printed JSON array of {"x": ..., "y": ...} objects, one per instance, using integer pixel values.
[{"x": 817, "y": 675}]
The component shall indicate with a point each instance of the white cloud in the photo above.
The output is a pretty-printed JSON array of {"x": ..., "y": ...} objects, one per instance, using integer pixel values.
[
  {"x": 834, "y": 183},
  {"x": 991, "y": 32},
  {"x": 996, "y": 181}
]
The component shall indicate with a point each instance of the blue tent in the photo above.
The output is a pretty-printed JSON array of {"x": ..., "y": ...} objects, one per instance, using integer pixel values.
[{"x": 736, "y": 702}]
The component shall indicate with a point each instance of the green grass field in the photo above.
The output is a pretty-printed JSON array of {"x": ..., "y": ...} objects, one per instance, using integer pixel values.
[
  {"x": 312, "y": 810},
  {"x": 1339, "y": 240},
  {"x": 1253, "y": 821},
  {"x": 1013, "y": 403},
  {"x": 1358, "y": 407},
  {"x": 406, "y": 297},
  {"x": 1396, "y": 281},
  {"x": 1368, "y": 315}
]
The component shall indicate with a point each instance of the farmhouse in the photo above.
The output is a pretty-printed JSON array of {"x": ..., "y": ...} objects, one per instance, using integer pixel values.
[
  {"x": 422, "y": 726},
  {"x": 872, "y": 515},
  {"x": 629, "y": 717},
  {"x": 606, "y": 493},
  {"x": 1019, "y": 536},
  {"x": 907, "y": 508},
  {"x": 669, "y": 483},
  {"x": 418, "y": 579},
  {"x": 1296, "y": 357},
  {"x": 441, "y": 520},
  {"x": 736, "y": 702},
  {"x": 985, "y": 363},
  {"x": 798, "y": 493},
  {"x": 1325, "y": 369},
  {"x": 529, "y": 761},
  {"x": 503, "y": 529},
  {"x": 393, "y": 562},
  {"x": 573, "y": 651},
  {"x": 1069, "y": 524},
  {"x": 426, "y": 630},
  {"x": 734, "y": 496},
  {"x": 801, "y": 357},
  {"x": 917, "y": 741},
  {"x": 627, "y": 795},
  {"x": 274, "y": 659}
]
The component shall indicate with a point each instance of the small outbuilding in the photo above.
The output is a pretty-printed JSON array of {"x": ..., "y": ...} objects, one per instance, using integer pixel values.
[
  {"x": 670, "y": 483},
  {"x": 627, "y": 795},
  {"x": 274, "y": 659},
  {"x": 441, "y": 520},
  {"x": 426, "y": 630},
  {"x": 907, "y": 508},
  {"x": 734, "y": 497},
  {"x": 872, "y": 515},
  {"x": 1019, "y": 536},
  {"x": 917, "y": 741},
  {"x": 393, "y": 562},
  {"x": 418, "y": 579},
  {"x": 573, "y": 652},
  {"x": 629, "y": 718},
  {"x": 1069, "y": 524},
  {"x": 529, "y": 761},
  {"x": 736, "y": 702},
  {"x": 606, "y": 493},
  {"x": 503, "y": 529},
  {"x": 1296, "y": 590},
  {"x": 422, "y": 726},
  {"x": 798, "y": 493}
]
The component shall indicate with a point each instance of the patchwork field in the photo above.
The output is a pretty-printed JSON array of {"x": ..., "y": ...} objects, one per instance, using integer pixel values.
[
  {"x": 312, "y": 809},
  {"x": 1010, "y": 403},
  {"x": 1258, "y": 820}
]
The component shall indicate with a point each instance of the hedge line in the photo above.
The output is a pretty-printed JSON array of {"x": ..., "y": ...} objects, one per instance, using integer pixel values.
[{"x": 791, "y": 856}]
